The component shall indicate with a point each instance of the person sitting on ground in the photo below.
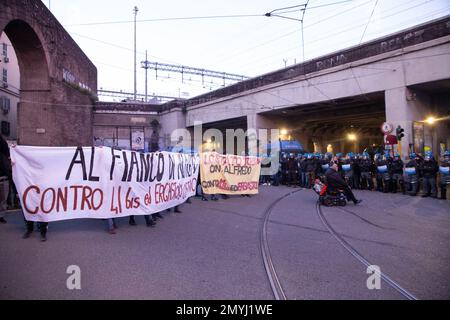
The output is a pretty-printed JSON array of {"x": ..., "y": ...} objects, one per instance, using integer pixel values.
[{"x": 336, "y": 182}]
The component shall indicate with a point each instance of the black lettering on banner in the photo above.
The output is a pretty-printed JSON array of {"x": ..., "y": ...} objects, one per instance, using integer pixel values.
[
  {"x": 134, "y": 162},
  {"x": 79, "y": 151},
  {"x": 91, "y": 167},
  {"x": 171, "y": 167},
  {"x": 188, "y": 165},
  {"x": 160, "y": 173},
  {"x": 152, "y": 166},
  {"x": 125, "y": 169},
  {"x": 113, "y": 163},
  {"x": 181, "y": 169},
  {"x": 194, "y": 165},
  {"x": 144, "y": 166}
]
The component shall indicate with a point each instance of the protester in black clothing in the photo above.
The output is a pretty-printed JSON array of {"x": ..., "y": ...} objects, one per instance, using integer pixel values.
[
  {"x": 5, "y": 177},
  {"x": 42, "y": 226},
  {"x": 336, "y": 182},
  {"x": 148, "y": 221}
]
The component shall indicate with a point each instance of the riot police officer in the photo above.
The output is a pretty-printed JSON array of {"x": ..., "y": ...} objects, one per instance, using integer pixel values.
[
  {"x": 284, "y": 168},
  {"x": 324, "y": 165},
  {"x": 347, "y": 168},
  {"x": 383, "y": 176},
  {"x": 444, "y": 174},
  {"x": 292, "y": 170},
  {"x": 411, "y": 176},
  {"x": 366, "y": 168},
  {"x": 298, "y": 160},
  {"x": 303, "y": 174},
  {"x": 338, "y": 159},
  {"x": 429, "y": 169},
  {"x": 311, "y": 167},
  {"x": 356, "y": 171},
  {"x": 378, "y": 176},
  {"x": 397, "y": 174}
]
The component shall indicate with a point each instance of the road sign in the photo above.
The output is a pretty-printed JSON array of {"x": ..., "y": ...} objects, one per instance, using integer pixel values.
[
  {"x": 390, "y": 139},
  {"x": 387, "y": 128}
]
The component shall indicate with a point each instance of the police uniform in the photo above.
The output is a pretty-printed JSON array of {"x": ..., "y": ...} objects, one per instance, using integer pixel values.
[{"x": 444, "y": 174}]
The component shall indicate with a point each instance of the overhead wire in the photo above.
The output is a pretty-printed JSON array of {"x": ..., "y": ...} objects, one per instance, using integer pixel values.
[
  {"x": 341, "y": 31},
  {"x": 317, "y": 40},
  {"x": 360, "y": 41}
]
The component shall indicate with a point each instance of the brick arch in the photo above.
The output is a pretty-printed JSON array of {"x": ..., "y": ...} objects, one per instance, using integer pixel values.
[
  {"x": 58, "y": 81},
  {"x": 30, "y": 53}
]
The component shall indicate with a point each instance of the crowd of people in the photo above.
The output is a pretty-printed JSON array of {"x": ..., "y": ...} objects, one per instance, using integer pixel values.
[{"x": 380, "y": 172}]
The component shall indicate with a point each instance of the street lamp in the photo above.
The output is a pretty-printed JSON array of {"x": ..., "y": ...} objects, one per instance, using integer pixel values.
[{"x": 430, "y": 120}]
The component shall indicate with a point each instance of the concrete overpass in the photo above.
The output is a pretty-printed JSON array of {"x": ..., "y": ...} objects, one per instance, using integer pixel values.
[{"x": 402, "y": 78}]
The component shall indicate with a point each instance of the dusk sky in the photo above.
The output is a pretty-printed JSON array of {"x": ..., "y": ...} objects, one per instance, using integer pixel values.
[{"x": 247, "y": 45}]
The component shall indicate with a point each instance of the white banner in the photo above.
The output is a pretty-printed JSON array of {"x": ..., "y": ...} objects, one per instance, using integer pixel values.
[{"x": 60, "y": 183}]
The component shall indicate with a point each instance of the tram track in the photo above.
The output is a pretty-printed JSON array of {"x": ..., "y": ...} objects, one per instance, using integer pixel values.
[
  {"x": 273, "y": 278},
  {"x": 359, "y": 257},
  {"x": 275, "y": 285}
]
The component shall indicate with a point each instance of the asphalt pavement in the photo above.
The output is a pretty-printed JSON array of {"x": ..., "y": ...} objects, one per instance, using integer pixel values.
[{"x": 212, "y": 251}]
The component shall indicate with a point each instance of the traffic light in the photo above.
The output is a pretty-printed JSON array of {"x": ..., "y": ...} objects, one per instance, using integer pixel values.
[{"x": 400, "y": 133}]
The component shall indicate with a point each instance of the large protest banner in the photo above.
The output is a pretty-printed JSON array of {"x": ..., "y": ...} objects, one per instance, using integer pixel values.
[
  {"x": 229, "y": 174},
  {"x": 60, "y": 183}
]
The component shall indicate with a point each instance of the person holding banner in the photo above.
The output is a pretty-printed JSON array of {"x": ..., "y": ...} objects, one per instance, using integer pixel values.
[
  {"x": 111, "y": 225},
  {"x": 42, "y": 226},
  {"x": 5, "y": 175},
  {"x": 148, "y": 221}
]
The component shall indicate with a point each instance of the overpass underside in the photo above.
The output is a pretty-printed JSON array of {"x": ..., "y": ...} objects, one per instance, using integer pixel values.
[{"x": 350, "y": 124}]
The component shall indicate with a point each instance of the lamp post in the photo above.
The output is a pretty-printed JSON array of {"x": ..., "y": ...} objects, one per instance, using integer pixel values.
[{"x": 135, "y": 11}]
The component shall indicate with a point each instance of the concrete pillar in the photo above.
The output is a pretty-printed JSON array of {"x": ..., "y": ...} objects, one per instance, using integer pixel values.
[
  {"x": 403, "y": 107},
  {"x": 173, "y": 125}
]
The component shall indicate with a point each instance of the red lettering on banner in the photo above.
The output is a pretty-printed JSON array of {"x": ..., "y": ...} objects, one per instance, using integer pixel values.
[
  {"x": 24, "y": 198},
  {"x": 148, "y": 197},
  {"x": 131, "y": 202},
  {"x": 87, "y": 193},
  {"x": 61, "y": 200},
  {"x": 43, "y": 200},
  {"x": 75, "y": 195},
  {"x": 93, "y": 199}
]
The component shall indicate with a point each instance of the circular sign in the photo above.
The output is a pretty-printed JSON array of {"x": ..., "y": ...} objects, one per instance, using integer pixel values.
[{"x": 387, "y": 128}]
